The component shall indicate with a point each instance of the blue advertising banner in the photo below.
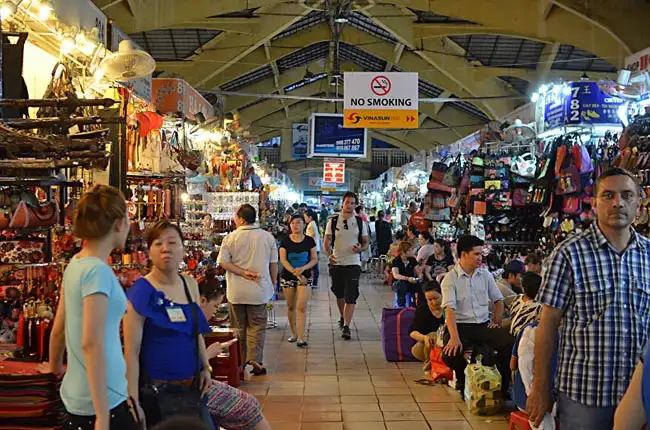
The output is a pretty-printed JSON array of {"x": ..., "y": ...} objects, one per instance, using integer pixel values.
[
  {"x": 328, "y": 138},
  {"x": 299, "y": 140},
  {"x": 577, "y": 103}
]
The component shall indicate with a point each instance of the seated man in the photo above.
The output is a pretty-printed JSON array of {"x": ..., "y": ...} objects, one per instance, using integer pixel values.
[
  {"x": 466, "y": 293},
  {"x": 428, "y": 318},
  {"x": 525, "y": 309},
  {"x": 510, "y": 282}
]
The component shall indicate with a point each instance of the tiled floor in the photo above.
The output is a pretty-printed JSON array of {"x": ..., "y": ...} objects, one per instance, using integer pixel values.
[{"x": 336, "y": 384}]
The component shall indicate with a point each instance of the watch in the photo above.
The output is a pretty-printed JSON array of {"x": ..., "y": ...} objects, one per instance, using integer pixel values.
[{"x": 208, "y": 368}]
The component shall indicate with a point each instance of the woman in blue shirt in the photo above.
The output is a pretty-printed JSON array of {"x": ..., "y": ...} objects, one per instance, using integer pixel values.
[
  {"x": 165, "y": 352},
  {"x": 92, "y": 304}
]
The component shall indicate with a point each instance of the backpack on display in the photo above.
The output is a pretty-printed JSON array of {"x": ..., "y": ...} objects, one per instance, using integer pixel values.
[{"x": 335, "y": 221}]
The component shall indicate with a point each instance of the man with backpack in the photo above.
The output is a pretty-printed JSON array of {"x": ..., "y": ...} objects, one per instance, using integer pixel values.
[{"x": 346, "y": 236}]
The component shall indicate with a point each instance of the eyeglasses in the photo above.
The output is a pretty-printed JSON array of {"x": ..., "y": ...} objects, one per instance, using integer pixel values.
[{"x": 345, "y": 224}]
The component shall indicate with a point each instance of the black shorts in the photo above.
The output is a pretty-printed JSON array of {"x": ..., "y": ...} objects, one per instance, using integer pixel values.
[{"x": 345, "y": 282}]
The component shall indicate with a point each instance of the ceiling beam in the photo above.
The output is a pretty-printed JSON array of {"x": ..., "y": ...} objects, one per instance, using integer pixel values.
[
  {"x": 287, "y": 78},
  {"x": 552, "y": 74},
  {"x": 435, "y": 30},
  {"x": 231, "y": 25},
  {"x": 546, "y": 62},
  {"x": 156, "y": 14},
  {"x": 452, "y": 66},
  {"x": 300, "y": 112},
  {"x": 226, "y": 50},
  {"x": 561, "y": 26}
]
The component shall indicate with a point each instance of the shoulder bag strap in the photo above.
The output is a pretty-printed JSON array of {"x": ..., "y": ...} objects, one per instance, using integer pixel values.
[
  {"x": 195, "y": 329},
  {"x": 334, "y": 223}
]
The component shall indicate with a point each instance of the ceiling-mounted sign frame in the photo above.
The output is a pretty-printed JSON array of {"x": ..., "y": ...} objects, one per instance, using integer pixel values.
[{"x": 380, "y": 100}]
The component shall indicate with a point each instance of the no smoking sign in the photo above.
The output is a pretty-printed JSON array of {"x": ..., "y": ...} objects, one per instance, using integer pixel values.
[{"x": 380, "y": 85}]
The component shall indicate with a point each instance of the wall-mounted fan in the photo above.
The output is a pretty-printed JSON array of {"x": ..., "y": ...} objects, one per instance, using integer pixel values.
[
  {"x": 519, "y": 132},
  {"x": 127, "y": 64}
]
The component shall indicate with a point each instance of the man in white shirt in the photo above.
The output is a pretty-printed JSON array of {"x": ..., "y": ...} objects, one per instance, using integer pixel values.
[
  {"x": 467, "y": 291},
  {"x": 346, "y": 237},
  {"x": 250, "y": 257}
]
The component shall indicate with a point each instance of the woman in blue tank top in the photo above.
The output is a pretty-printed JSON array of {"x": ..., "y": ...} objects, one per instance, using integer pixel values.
[
  {"x": 634, "y": 409},
  {"x": 87, "y": 325},
  {"x": 165, "y": 352}
]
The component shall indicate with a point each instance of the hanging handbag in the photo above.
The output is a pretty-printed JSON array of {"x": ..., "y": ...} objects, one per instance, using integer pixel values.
[
  {"x": 572, "y": 205},
  {"x": 28, "y": 216},
  {"x": 569, "y": 181},
  {"x": 524, "y": 165},
  {"x": 453, "y": 175},
  {"x": 465, "y": 183},
  {"x": 438, "y": 171},
  {"x": 520, "y": 197}
]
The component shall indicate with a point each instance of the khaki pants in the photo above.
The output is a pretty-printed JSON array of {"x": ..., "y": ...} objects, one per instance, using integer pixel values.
[
  {"x": 423, "y": 353},
  {"x": 251, "y": 322}
]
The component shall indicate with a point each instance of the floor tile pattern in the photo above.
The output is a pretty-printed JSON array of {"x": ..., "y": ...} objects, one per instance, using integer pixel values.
[{"x": 348, "y": 385}]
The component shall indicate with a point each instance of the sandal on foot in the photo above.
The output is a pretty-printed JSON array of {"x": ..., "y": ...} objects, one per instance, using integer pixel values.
[{"x": 292, "y": 339}]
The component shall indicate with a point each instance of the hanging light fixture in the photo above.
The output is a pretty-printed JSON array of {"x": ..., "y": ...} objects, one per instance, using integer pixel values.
[
  {"x": 7, "y": 9},
  {"x": 45, "y": 9},
  {"x": 67, "y": 45}
]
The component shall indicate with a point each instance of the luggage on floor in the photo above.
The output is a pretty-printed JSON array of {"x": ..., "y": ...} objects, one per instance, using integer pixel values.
[{"x": 395, "y": 339}]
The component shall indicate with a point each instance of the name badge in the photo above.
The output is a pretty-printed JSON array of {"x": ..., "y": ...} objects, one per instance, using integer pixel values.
[{"x": 175, "y": 314}]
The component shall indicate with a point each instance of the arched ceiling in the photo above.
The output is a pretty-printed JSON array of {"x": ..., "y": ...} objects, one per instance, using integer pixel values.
[{"x": 460, "y": 48}]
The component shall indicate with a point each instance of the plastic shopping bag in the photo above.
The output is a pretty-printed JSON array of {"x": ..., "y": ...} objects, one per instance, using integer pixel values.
[
  {"x": 482, "y": 389},
  {"x": 439, "y": 370}
]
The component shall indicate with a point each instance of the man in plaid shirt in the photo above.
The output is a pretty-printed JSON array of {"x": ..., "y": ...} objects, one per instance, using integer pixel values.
[{"x": 597, "y": 292}]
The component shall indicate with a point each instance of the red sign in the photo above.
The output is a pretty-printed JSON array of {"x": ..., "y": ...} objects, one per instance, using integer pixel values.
[
  {"x": 176, "y": 95},
  {"x": 334, "y": 171},
  {"x": 380, "y": 85}
]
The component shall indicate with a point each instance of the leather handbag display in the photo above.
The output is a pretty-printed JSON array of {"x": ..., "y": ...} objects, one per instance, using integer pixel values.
[{"x": 29, "y": 216}]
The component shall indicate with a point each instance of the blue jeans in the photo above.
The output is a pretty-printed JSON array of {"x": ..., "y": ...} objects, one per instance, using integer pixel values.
[
  {"x": 315, "y": 273},
  {"x": 576, "y": 416}
]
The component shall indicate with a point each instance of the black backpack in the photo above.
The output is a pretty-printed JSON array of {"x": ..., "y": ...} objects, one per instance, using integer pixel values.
[{"x": 335, "y": 221}]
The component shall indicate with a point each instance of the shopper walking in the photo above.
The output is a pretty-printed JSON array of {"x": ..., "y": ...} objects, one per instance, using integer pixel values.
[
  {"x": 346, "y": 237},
  {"x": 250, "y": 257},
  {"x": 297, "y": 256},
  {"x": 230, "y": 408},
  {"x": 87, "y": 324},
  {"x": 384, "y": 234},
  {"x": 167, "y": 364},
  {"x": 596, "y": 293},
  {"x": 313, "y": 232}
]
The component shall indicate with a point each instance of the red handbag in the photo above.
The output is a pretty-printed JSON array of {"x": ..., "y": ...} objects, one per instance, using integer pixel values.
[{"x": 28, "y": 216}]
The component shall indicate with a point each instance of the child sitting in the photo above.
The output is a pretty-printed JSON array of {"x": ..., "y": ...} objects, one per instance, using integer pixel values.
[{"x": 524, "y": 308}]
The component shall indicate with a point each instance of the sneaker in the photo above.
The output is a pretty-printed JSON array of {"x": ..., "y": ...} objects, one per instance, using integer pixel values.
[
  {"x": 341, "y": 323},
  {"x": 345, "y": 333}
]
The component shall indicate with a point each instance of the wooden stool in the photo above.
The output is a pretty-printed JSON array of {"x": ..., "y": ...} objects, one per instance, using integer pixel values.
[
  {"x": 226, "y": 366},
  {"x": 519, "y": 421}
]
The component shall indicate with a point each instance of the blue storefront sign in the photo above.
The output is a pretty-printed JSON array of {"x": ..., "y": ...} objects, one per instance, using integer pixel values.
[
  {"x": 328, "y": 138},
  {"x": 577, "y": 103}
]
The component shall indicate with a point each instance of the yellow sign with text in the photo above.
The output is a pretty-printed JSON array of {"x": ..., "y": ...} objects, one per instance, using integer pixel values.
[{"x": 373, "y": 118}]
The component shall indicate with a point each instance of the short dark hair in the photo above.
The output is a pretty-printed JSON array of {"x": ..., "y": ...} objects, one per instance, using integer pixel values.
[
  {"x": 533, "y": 258},
  {"x": 156, "y": 230},
  {"x": 426, "y": 236},
  {"x": 432, "y": 286},
  {"x": 467, "y": 243},
  {"x": 358, "y": 209},
  {"x": 380, "y": 214},
  {"x": 530, "y": 282},
  {"x": 247, "y": 213},
  {"x": 440, "y": 242},
  {"x": 296, "y": 216},
  {"x": 311, "y": 214},
  {"x": 210, "y": 287},
  {"x": 350, "y": 194},
  {"x": 615, "y": 171},
  {"x": 302, "y": 205},
  {"x": 400, "y": 235},
  {"x": 414, "y": 230}
]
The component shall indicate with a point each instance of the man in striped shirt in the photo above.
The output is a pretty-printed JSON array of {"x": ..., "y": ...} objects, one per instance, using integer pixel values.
[{"x": 596, "y": 291}]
